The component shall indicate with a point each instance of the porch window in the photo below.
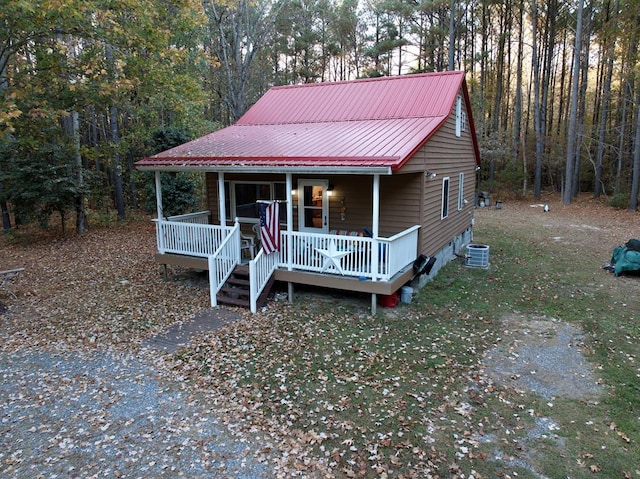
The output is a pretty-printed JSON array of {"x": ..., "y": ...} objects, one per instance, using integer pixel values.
[
  {"x": 460, "y": 191},
  {"x": 242, "y": 198},
  {"x": 445, "y": 198}
]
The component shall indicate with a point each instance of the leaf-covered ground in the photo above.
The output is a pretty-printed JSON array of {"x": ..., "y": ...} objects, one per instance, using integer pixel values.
[{"x": 326, "y": 390}]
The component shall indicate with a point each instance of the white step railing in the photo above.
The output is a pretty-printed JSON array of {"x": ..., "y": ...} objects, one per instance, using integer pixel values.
[
  {"x": 223, "y": 261},
  {"x": 260, "y": 271}
]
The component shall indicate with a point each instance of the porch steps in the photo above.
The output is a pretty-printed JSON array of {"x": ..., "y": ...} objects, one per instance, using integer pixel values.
[{"x": 235, "y": 291}]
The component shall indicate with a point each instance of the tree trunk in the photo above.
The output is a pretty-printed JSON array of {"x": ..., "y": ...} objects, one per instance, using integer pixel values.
[
  {"x": 582, "y": 103},
  {"x": 537, "y": 114},
  {"x": 452, "y": 35},
  {"x": 635, "y": 175},
  {"x": 242, "y": 32},
  {"x": 621, "y": 139},
  {"x": 6, "y": 219},
  {"x": 517, "y": 101},
  {"x": 499, "y": 85},
  {"x": 573, "y": 117},
  {"x": 81, "y": 214},
  {"x": 604, "y": 113},
  {"x": 117, "y": 165},
  {"x": 115, "y": 139}
]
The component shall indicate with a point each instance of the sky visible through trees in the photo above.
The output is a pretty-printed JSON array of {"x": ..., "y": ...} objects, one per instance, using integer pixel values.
[{"x": 86, "y": 85}]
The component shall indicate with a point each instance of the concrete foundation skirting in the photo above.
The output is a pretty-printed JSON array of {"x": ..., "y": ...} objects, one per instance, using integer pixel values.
[{"x": 444, "y": 256}]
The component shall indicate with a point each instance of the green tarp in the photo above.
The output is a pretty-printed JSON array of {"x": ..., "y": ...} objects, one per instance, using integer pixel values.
[{"x": 626, "y": 258}]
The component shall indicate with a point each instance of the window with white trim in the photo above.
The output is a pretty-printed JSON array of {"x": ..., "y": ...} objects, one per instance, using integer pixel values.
[
  {"x": 241, "y": 198},
  {"x": 460, "y": 191},
  {"x": 461, "y": 116},
  {"x": 445, "y": 198}
]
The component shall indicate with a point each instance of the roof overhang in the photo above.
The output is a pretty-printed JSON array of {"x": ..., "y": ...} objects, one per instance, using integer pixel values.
[{"x": 296, "y": 170}]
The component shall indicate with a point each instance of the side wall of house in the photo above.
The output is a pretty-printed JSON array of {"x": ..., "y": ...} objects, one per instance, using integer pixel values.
[{"x": 446, "y": 155}]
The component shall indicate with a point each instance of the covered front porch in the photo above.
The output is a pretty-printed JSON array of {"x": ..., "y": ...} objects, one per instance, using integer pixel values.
[
  {"x": 373, "y": 265},
  {"x": 328, "y": 258}
]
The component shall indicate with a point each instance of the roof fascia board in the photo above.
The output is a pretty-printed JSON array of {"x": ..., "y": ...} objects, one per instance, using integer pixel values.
[
  {"x": 297, "y": 170},
  {"x": 472, "y": 128}
]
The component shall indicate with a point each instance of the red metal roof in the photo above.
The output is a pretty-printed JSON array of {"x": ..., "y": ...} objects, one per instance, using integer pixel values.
[{"x": 367, "y": 123}]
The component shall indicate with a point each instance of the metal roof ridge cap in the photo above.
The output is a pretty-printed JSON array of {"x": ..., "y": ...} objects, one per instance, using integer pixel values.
[
  {"x": 318, "y": 122},
  {"x": 369, "y": 79}
]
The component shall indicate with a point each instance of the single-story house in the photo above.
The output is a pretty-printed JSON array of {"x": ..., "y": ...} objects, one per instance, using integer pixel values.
[{"x": 367, "y": 176}]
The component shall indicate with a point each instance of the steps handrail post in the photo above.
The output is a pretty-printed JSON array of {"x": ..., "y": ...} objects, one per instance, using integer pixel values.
[
  {"x": 253, "y": 287},
  {"x": 213, "y": 282}
]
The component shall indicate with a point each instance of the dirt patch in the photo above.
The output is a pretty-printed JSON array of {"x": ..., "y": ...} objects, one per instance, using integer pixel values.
[
  {"x": 180, "y": 334},
  {"x": 543, "y": 356}
]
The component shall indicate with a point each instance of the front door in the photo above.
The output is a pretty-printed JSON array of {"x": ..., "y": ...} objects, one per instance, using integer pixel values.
[{"x": 313, "y": 206}]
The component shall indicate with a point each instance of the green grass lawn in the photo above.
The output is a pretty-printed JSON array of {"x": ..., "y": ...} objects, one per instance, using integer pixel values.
[{"x": 404, "y": 393}]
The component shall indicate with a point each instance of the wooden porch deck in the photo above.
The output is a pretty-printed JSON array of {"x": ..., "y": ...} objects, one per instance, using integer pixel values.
[
  {"x": 323, "y": 280},
  {"x": 360, "y": 264}
]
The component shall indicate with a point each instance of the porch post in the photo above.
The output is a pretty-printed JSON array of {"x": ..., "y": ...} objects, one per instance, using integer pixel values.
[
  {"x": 159, "y": 226},
  {"x": 375, "y": 224},
  {"x": 376, "y": 205},
  {"x": 222, "y": 207},
  {"x": 289, "y": 232},
  {"x": 159, "y": 196},
  {"x": 289, "y": 221}
]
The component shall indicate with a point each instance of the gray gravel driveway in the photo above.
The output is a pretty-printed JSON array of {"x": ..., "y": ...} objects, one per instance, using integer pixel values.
[{"x": 69, "y": 415}]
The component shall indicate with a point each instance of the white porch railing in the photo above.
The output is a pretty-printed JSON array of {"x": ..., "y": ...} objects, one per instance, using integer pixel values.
[
  {"x": 350, "y": 255},
  {"x": 223, "y": 261},
  {"x": 200, "y": 217},
  {"x": 399, "y": 250},
  {"x": 260, "y": 270},
  {"x": 193, "y": 239}
]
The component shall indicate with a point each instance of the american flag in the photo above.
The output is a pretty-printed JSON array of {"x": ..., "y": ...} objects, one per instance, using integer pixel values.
[{"x": 270, "y": 227}]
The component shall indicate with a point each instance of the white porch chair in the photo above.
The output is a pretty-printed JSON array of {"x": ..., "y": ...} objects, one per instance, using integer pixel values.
[
  {"x": 247, "y": 243},
  {"x": 256, "y": 230}
]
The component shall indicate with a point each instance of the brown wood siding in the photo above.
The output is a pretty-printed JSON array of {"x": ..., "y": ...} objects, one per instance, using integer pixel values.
[
  {"x": 399, "y": 200},
  {"x": 447, "y": 156},
  {"x": 212, "y": 197},
  {"x": 405, "y": 200},
  {"x": 400, "y": 203},
  {"x": 356, "y": 192}
]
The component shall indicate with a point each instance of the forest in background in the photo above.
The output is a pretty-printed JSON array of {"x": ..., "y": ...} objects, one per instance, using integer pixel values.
[{"x": 88, "y": 87}]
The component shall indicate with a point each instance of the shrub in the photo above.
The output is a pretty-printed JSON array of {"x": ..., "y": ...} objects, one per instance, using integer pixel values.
[
  {"x": 179, "y": 194},
  {"x": 620, "y": 201}
]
